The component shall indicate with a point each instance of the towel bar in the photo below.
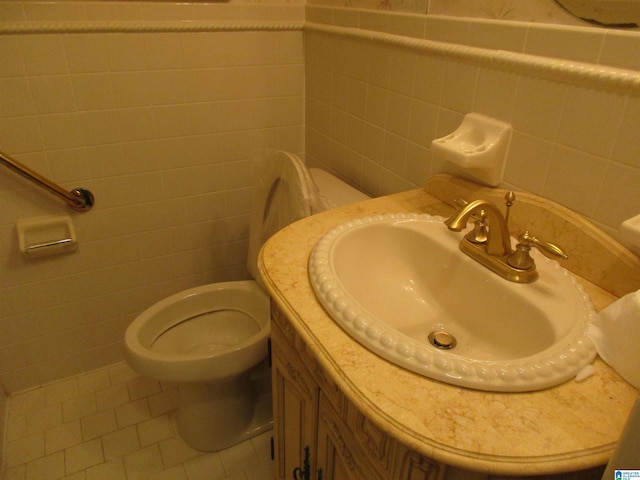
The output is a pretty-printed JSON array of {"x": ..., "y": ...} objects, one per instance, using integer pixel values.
[{"x": 80, "y": 199}]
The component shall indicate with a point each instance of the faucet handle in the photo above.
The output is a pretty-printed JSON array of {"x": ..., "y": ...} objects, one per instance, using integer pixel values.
[
  {"x": 546, "y": 247},
  {"x": 521, "y": 259},
  {"x": 480, "y": 231}
]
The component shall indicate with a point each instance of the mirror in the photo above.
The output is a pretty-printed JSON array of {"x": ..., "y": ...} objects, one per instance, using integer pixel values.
[
  {"x": 598, "y": 13},
  {"x": 609, "y": 13}
]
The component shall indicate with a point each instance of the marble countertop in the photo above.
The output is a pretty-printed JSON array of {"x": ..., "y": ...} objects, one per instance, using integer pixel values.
[{"x": 566, "y": 428}]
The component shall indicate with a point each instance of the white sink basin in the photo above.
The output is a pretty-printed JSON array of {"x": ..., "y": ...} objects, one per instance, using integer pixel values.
[{"x": 390, "y": 281}]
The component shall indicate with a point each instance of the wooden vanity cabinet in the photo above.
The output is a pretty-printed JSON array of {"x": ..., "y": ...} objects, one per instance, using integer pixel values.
[
  {"x": 338, "y": 455},
  {"x": 295, "y": 407},
  {"x": 318, "y": 433}
]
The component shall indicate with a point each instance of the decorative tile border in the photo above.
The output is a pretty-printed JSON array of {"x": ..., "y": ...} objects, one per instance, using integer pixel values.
[
  {"x": 24, "y": 17},
  {"x": 407, "y": 31},
  {"x": 147, "y": 26},
  {"x": 586, "y": 74}
]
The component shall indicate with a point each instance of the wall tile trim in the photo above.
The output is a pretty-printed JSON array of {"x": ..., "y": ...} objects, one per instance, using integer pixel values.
[
  {"x": 146, "y": 27},
  {"x": 573, "y": 72}
]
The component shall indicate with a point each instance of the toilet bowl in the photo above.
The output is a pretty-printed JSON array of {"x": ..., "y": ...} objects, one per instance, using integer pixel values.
[
  {"x": 212, "y": 339},
  {"x": 205, "y": 333}
]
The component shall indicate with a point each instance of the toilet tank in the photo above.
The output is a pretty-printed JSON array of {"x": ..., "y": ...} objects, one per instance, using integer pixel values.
[
  {"x": 333, "y": 191},
  {"x": 287, "y": 191}
]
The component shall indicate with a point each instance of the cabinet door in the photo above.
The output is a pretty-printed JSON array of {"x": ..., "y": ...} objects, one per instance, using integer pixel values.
[
  {"x": 294, "y": 408},
  {"x": 338, "y": 457}
]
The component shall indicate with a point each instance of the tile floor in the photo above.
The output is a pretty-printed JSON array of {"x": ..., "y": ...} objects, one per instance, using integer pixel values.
[{"x": 112, "y": 424}]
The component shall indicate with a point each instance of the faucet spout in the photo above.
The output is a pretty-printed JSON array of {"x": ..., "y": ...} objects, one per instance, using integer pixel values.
[{"x": 498, "y": 242}]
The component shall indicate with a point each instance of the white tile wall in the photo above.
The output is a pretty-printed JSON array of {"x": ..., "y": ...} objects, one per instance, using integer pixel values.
[
  {"x": 574, "y": 144},
  {"x": 163, "y": 129}
]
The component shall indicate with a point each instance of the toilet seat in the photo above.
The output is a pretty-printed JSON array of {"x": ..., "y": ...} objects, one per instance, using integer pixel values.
[{"x": 285, "y": 193}]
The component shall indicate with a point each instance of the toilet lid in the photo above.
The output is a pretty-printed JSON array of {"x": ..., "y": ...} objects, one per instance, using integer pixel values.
[{"x": 285, "y": 193}]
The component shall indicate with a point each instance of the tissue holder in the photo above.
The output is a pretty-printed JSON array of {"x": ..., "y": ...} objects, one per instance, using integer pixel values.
[
  {"x": 479, "y": 146},
  {"x": 44, "y": 236}
]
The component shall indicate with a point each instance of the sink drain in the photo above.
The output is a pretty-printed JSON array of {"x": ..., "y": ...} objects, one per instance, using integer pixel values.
[{"x": 442, "y": 340}]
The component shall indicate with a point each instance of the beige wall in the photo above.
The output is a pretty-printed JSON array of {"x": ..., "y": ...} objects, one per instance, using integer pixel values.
[
  {"x": 381, "y": 86},
  {"x": 161, "y": 126}
]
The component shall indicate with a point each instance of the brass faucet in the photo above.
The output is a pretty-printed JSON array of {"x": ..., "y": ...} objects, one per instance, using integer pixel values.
[{"x": 489, "y": 242}]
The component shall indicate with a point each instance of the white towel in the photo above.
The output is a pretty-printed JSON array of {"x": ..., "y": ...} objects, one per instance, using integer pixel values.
[{"x": 616, "y": 334}]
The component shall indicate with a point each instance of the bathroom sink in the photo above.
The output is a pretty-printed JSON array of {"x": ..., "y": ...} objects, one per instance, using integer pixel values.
[{"x": 400, "y": 286}]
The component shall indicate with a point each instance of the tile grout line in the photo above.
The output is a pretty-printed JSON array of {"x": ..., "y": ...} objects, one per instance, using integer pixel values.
[{"x": 69, "y": 446}]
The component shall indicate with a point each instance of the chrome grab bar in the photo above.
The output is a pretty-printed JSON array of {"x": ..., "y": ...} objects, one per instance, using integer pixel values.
[{"x": 80, "y": 199}]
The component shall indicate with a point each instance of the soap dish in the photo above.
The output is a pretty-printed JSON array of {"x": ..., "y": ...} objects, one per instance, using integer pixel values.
[
  {"x": 44, "y": 236},
  {"x": 479, "y": 146}
]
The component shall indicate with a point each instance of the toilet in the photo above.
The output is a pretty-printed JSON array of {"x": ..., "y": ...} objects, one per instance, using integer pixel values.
[{"x": 212, "y": 339}]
